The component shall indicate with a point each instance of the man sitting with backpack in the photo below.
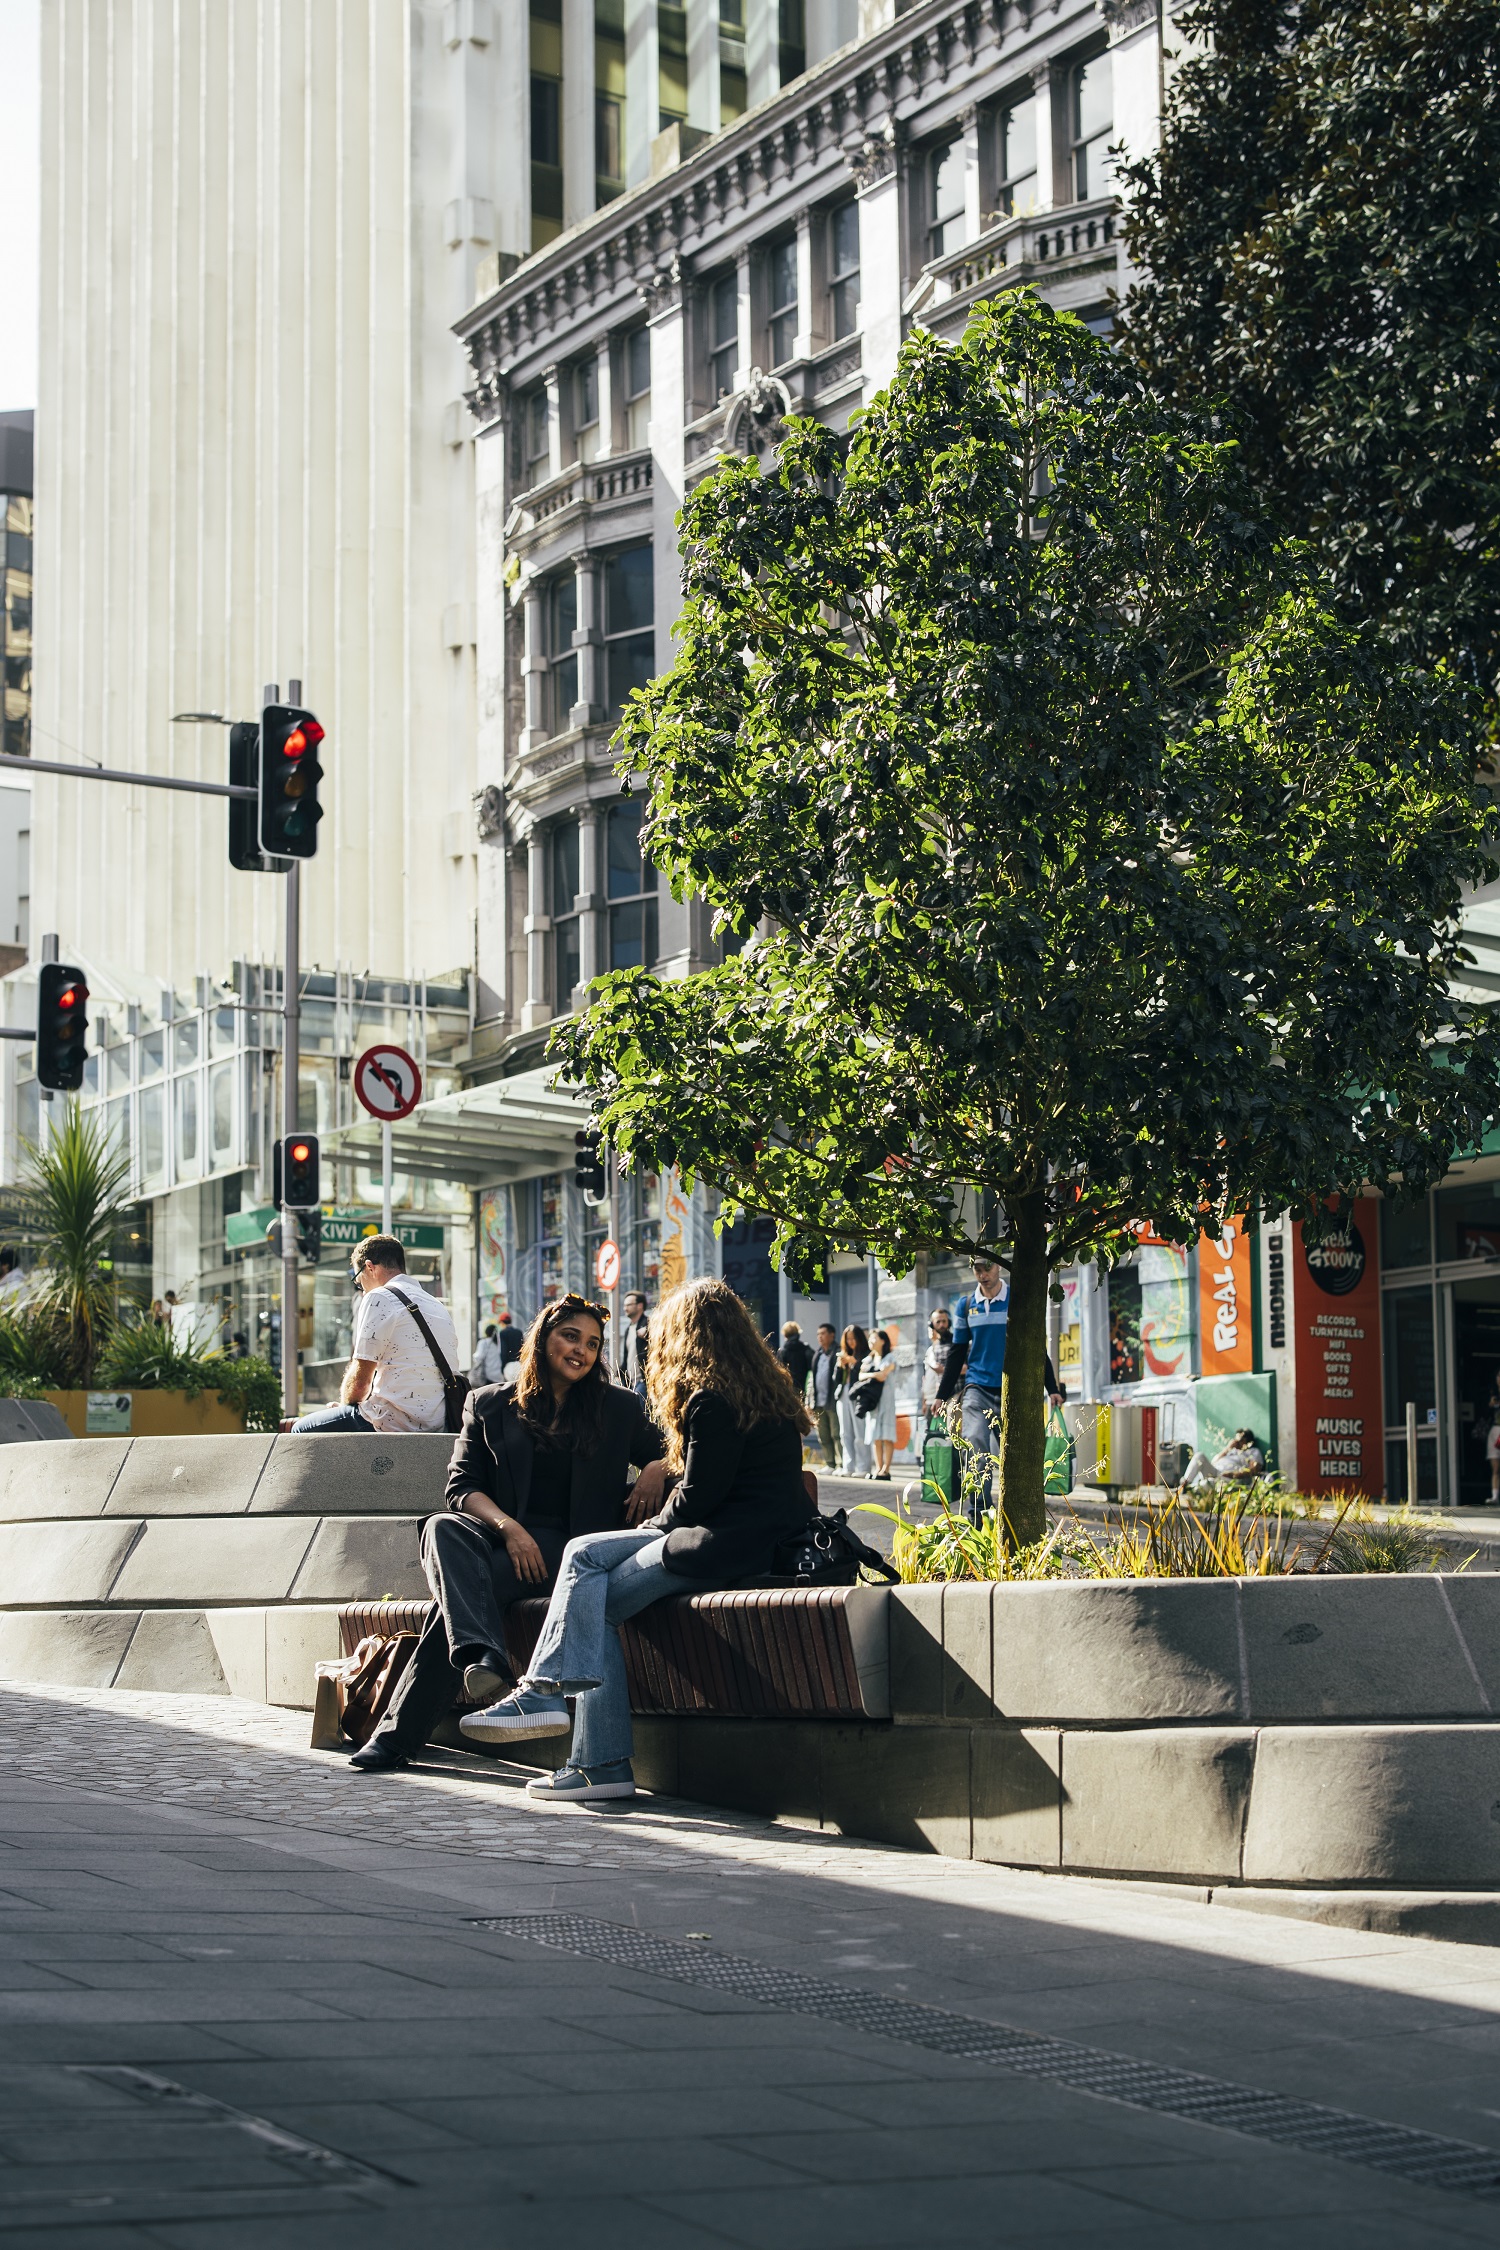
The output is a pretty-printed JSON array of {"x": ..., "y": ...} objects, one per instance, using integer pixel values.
[{"x": 393, "y": 1384}]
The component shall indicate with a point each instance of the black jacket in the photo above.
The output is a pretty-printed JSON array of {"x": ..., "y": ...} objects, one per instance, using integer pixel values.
[
  {"x": 797, "y": 1359},
  {"x": 493, "y": 1451},
  {"x": 740, "y": 1495}
]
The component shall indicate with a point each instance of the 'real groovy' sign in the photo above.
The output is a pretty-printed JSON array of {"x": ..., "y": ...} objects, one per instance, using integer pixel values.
[
  {"x": 1335, "y": 1321},
  {"x": 1226, "y": 1343}
]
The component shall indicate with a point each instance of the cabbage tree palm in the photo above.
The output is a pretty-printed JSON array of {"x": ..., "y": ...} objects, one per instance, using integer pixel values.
[{"x": 74, "y": 1187}]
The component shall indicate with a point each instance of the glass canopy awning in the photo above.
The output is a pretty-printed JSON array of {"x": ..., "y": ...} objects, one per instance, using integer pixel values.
[{"x": 483, "y": 1136}]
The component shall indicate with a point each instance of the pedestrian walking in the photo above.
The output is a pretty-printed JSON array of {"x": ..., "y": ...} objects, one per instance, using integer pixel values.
[
  {"x": 877, "y": 1402},
  {"x": 977, "y": 1361},
  {"x": 489, "y": 1361},
  {"x": 823, "y": 1395},
  {"x": 935, "y": 1358},
  {"x": 635, "y": 1343},
  {"x": 392, "y": 1383},
  {"x": 795, "y": 1357},
  {"x": 510, "y": 1340},
  {"x": 854, "y": 1348}
]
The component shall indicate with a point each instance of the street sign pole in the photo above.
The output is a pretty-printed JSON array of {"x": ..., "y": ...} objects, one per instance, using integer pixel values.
[
  {"x": 291, "y": 1048},
  {"x": 387, "y": 1086},
  {"x": 291, "y": 1059}
]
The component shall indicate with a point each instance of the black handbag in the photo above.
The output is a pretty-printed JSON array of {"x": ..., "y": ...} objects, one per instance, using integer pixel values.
[
  {"x": 825, "y": 1552},
  {"x": 866, "y": 1396}
]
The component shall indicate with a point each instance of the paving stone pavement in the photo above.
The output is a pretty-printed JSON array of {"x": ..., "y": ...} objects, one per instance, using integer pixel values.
[{"x": 245, "y": 2000}]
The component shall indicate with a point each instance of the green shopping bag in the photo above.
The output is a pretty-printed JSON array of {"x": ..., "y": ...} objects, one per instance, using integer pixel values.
[
  {"x": 1057, "y": 1480},
  {"x": 937, "y": 1465}
]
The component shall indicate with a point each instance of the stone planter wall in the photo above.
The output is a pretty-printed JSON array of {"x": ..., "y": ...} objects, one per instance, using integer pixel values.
[{"x": 1318, "y": 1733}]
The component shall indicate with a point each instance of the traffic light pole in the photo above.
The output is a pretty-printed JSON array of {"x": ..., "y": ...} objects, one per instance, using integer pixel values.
[{"x": 291, "y": 1051}]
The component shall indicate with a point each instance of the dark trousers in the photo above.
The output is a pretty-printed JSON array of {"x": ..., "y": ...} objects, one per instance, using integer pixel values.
[{"x": 474, "y": 1583}]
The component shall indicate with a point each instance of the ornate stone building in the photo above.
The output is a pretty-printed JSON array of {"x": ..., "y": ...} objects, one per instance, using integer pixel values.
[{"x": 947, "y": 151}]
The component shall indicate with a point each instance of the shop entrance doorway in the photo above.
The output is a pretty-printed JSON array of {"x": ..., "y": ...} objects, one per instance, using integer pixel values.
[{"x": 1476, "y": 1382}]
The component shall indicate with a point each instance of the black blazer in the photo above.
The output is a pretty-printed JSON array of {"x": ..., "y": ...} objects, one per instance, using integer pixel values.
[
  {"x": 741, "y": 1494},
  {"x": 493, "y": 1451}
]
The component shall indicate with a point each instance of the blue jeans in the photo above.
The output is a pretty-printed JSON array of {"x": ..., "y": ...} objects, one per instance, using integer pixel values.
[
  {"x": 602, "y": 1581},
  {"x": 981, "y": 1429},
  {"x": 332, "y": 1418}
]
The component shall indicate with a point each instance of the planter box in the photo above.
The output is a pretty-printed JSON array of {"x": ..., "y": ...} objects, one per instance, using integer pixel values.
[{"x": 152, "y": 1414}]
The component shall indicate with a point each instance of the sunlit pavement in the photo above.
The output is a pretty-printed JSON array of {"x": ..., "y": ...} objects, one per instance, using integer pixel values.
[{"x": 245, "y": 2000}]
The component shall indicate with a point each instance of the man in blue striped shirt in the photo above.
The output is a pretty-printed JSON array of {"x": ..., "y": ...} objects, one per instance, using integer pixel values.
[{"x": 980, "y": 1321}]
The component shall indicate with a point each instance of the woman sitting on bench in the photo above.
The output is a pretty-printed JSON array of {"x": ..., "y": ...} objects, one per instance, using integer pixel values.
[{"x": 733, "y": 1428}]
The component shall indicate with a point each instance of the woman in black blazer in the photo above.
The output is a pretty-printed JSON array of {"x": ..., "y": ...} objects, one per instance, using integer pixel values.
[
  {"x": 733, "y": 1428},
  {"x": 537, "y": 1463}
]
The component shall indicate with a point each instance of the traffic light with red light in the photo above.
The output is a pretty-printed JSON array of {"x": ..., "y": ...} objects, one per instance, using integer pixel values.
[
  {"x": 289, "y": 777},
  {"x": 295, "y": 1185},
  {"x": 62, "y": 1027}
]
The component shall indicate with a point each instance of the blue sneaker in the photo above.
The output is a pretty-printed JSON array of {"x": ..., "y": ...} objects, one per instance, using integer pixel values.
[
  {"x": 584, "y": 1785},
  {"x": 524, "y": 1712}
]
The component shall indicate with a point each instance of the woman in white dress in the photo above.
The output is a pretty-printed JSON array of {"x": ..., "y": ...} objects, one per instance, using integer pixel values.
[{"x": 879, "y": 1428}]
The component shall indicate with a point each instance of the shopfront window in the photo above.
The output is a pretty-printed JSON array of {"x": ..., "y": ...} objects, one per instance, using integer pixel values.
[
  {"x": 1405, "y": 1235},
  {"x": 1468, "y": 1224},
  {"x": 1150, "y": 1317}
]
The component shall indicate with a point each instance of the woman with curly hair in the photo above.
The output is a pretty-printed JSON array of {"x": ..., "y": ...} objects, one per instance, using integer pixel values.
[{"x": 733, "y": 1430}]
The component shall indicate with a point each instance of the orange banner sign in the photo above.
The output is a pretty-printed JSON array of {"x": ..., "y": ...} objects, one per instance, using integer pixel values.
[{"x": 1226, "y": 1343}]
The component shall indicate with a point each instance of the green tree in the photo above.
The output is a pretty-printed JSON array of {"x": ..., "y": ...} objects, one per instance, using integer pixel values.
[
  {"x": 1321, "y": 237},
  {"x": 1107, "y": 876},
  {"x": 74, "y": 1187}
]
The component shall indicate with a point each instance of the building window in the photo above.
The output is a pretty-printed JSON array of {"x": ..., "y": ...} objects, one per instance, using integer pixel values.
[
  {"x": 586, "y": 394},
  {"x": 1093, "y": 123},
  {"x": 631, "y": 883},
  {"x": 638, "y": 388},
  {"x": 1015, "y": 158},
  {"x": 723, "y": 335},
  {"x": 791, "y": 40},
  {"x": 562, "y": 656},
  {"x": 783, "y": 311},
  {"x": 733, "y": 91},
  {"x": 945, "y": 200},
  {"x": 546, "y": 122},
  {"x": 609, "y": 99},
  {"x": 629, "y": 608},
  {"x": 534, "y": 435},
  {"x": 843, "y": 265},
  {"x": 671, "y": 65},
  {"x": 567, "y": 955}
]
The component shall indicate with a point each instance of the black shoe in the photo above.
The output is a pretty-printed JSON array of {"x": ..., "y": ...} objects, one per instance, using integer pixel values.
[
  {"x": 488, "y": 1677},
  {"x": 379, "y": 1755}
]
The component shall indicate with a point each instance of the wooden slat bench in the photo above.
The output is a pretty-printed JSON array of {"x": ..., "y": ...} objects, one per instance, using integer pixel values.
[{"x": 772, "y": 1654}]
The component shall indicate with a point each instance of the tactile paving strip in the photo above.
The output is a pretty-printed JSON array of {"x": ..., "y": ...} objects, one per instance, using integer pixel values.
[{"x": 1425, "y": 2159}]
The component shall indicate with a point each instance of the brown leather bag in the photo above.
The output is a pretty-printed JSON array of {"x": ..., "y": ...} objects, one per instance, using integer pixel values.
[{"x": 366, "y": 1682}]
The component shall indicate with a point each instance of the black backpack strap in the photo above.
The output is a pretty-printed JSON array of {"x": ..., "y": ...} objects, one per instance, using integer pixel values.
[{"x": 447, "y": 1373}]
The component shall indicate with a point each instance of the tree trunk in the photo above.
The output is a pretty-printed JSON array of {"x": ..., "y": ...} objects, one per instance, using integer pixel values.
[{"x": 1023, "y": 1426}]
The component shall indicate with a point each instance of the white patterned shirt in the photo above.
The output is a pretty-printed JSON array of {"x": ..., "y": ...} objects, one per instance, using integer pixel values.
[{"x": 407, "y": 1391}]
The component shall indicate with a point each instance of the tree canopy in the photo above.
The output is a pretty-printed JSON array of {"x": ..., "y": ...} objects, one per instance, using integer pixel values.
[
  {"x": 1321, "y": 237},
  {"x": 1097, "y": 872}
]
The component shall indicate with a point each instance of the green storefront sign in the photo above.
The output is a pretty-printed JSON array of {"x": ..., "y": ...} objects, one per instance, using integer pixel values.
[{"x": 246, "y": 1230}]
